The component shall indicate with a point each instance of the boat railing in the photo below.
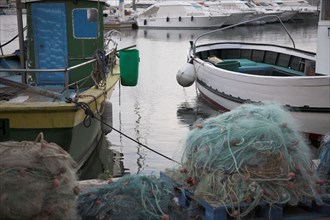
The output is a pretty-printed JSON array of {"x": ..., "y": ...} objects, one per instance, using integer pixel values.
[
  {"x": 193, "y": 44},
  {"x": 66, "y": 71}
]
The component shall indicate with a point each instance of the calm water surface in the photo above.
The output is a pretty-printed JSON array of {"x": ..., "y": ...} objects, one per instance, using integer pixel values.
[{"x": 158, "y": 112}]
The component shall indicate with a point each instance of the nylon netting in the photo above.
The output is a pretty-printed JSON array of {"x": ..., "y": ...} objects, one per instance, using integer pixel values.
[
  {"x": 37, "y": 181},
  {"x": 324, "y": 167},
  {"x": 131, "y": 197},
  {"x": 251, "y": 155}
]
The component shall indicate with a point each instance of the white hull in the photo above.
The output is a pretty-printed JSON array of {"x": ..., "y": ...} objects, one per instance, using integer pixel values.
[
  {"x": 229, "y": 89},
  {"x": 267, "y": 19},
  {"x": 180, "y": 14},
  {"x": 235, "y": 18},
  {"x": 313, "y": 123},
  {"x": 185, "y": 22},
  {"x": 288, "y": 15}
]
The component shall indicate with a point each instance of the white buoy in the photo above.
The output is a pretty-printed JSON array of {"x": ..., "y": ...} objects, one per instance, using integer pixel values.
[
  {"x": 186, "y": 75},
  {"x": 106, "y": 117}
]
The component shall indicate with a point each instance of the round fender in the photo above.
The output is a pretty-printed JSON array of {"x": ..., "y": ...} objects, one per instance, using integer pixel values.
[{"x": 186, "y": 75}]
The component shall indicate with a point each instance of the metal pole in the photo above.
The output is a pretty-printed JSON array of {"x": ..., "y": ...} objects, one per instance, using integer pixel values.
[{"x": 21, "y": 37}]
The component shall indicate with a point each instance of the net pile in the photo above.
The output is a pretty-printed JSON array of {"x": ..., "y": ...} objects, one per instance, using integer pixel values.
[
  {"x": 324, "y": 167},
  {"x": 251, "y": 155},
  {"x": 130, "y": 197},
  {"x": 37, "y": 181}
]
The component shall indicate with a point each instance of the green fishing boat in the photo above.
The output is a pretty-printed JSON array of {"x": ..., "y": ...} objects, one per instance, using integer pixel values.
[{"x": 67, "y": 74}]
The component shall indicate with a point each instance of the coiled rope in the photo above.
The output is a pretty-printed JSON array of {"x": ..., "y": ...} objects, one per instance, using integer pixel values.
[{"x": 99, "y": 73}]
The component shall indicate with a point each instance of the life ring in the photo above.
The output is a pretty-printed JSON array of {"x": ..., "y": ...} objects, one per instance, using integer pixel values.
[
  {"x": 145, "y": 22},
  {"x": 192, "y": 18},
  {"x": 167, "y": 19},
  {"x": 179, "y": 18}
]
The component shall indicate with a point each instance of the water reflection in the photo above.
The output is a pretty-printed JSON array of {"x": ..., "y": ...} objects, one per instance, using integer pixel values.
[
  {"x": 141, "y": 156},
  {"x": 105, "y": 162},
  {"x": 158, "y": 112},
  {"x": 189, "y": 112},
  {"x": 169, "y": 35}
]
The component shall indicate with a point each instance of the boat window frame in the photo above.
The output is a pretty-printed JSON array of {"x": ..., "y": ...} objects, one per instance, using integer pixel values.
[{"x": 92, "y": 18}]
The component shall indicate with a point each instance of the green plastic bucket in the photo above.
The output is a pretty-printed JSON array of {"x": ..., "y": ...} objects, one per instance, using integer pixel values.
[
  {"x": 129, "y": 67},
  {"x": 229, "y": 65}
]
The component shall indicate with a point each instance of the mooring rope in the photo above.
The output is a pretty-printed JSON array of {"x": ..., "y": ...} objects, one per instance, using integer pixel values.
[{"x": 90, "y": 114}]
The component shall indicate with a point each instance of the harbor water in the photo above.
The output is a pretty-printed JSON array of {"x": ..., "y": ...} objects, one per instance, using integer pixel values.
[{"x": 158, "y": 112}]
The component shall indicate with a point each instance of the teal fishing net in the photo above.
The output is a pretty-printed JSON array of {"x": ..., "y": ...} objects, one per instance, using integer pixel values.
[
  {"x": 131, "y": 197},
  {"x": 253, "y": 155},
  {"x": 324, "y": 167},
  {"x": 37, "y": 181}
]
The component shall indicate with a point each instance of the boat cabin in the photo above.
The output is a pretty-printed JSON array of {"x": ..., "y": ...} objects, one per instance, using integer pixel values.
[{"x": 62, "y": 34}]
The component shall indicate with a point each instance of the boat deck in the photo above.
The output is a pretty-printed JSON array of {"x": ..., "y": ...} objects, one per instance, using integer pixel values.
[{"x": 20, "y": 95}]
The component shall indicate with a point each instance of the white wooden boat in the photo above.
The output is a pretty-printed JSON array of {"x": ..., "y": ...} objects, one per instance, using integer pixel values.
[
  {"x": 180, "y": 14},
  {"x": 260, "y": 73}
]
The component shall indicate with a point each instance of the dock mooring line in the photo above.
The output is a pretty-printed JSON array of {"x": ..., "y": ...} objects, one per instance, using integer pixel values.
[
  {"x": 143, "y": 145},
  {"x": 89, "y": 112}
]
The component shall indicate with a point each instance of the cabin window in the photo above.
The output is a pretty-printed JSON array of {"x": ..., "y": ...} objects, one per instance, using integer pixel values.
[{"x": 85, "y": 23}]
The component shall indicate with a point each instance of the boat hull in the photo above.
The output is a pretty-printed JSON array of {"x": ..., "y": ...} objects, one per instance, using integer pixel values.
[
  {"x": 68, "y": 138},
  {"x": 189, "y": 22},
  {"x": 235, "y": 18},
  {"x": 307, "y": 97},
  {"x": 65, "y": 124}
]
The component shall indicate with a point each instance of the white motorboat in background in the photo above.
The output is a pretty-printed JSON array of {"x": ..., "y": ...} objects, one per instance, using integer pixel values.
[
  {"x": 248, "y": 6},
  {"x": 287, "y": 13},
  {"x": 305, "y": 11},
  {"x": 119, "y": 16},
  {"x": 180, "y": 14},
  {"x": 235, "y": 14}
]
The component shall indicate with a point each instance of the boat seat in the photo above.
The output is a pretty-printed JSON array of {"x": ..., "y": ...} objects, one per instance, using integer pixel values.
[
  {"x": 243, "y": 62},
  {"x": 257, "y": 70},
  {"x": 291, "y": 71},
  {"x": 270, "y": 70},
  {"x": 251, "y": 67}
]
